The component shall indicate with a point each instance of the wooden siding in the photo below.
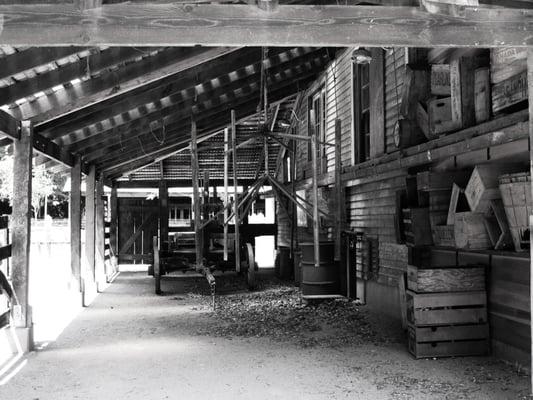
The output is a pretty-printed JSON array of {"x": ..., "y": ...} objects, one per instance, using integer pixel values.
[
  {"x": 394, "y": 77},
  {"x": 371, "y": 204}
]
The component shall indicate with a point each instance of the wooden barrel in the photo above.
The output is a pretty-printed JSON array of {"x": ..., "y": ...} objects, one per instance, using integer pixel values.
[
  {"x": 324, "y": 279},
  {"x": 285, "y": 265}
]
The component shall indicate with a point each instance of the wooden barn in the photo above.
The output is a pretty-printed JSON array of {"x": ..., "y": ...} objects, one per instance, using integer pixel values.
[{"x": 384, "y": 146}]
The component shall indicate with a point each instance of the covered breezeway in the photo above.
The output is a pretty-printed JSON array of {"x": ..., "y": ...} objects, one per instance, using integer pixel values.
[{"x": 384, "y": 145}]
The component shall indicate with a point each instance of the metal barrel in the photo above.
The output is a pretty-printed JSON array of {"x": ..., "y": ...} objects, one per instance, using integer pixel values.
[{"x": 324, "y": 279}]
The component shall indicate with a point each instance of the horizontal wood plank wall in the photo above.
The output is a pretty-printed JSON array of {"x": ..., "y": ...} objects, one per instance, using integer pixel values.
[
  {"x": 394, "y": 76},
  {"x": 371, "y": 205},
  {"x": 509, "y": 308}
]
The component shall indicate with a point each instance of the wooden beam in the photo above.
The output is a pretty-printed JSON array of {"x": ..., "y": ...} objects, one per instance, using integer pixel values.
[
  {"x": 314, "y": 160},
  {"x": 113, "y": 228},
  {"x": 339, "y": 191},
  {"x": 75, "y": 223},
  {"x": 209, "y": 122},
  {"x": 20, "y": 224},
  {"x": 226, "y": 198},
  {"x": 88, "y": 272},
  {"x": 153, "y": 91},
  {"x": 91, "y": 62},
  {"x": 163, "y": 214},
  {"x": 196, "y": 199},
  {"x": 165, "y": 108},
  {"x": 99, "y": 235},
  {"x": 235, "y": 191},
  {"x": 110, "y": 82},
  {"x": 9, "y": 125},
  {"x": 87, "y": 4},
  {"x": 135, "y": 162},
  {"x": 175, "y": 183},
  {"x": 530, "y": 88},
  {"x": 32, "y": 57},
  {"x": 233, "y": 25}
]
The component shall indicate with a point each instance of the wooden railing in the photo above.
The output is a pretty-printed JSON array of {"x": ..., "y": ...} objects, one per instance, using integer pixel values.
[{"x": 7, "y": 295}]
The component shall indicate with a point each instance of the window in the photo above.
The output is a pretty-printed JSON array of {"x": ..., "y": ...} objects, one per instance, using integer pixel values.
[
  {"x": 317, "y": 104},
  {"x": 361, "y": 101}
]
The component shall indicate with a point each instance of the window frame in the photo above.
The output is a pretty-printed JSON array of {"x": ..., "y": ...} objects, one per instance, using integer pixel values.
[{"x": 361, "y": 133}]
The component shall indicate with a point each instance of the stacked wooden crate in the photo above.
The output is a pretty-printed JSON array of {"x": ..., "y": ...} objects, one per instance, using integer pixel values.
[
  {"x": 508, "y": 73},
  {"x": 515, "y": 190},
  {"x": 446, "y": 310},
  {"x": 436, "y": 189}
]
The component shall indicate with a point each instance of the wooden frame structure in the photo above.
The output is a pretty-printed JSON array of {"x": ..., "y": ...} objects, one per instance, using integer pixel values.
[{"x": 90, "y": 137}]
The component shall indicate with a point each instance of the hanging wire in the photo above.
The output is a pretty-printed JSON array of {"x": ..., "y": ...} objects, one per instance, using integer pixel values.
[
  {"x": 142, "y": 147},
  {"x": 163, "y": 136}
]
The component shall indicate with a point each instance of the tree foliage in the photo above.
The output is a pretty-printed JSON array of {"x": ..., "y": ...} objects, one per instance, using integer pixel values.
[{"x": 44, "y": 182}]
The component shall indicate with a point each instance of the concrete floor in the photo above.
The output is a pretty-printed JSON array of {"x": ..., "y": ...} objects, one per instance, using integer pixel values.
[{"x": 131, "y": 344}]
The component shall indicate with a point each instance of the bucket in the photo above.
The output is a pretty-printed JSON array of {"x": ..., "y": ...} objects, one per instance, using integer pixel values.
[{"x": 322, "y": 280}]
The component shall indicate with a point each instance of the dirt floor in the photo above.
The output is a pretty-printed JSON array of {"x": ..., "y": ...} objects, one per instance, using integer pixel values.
[{"x": 131, "y": 344}]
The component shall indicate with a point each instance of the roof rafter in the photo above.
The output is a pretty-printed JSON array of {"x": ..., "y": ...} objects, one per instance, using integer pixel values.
[{"x": 141, "y": 116}]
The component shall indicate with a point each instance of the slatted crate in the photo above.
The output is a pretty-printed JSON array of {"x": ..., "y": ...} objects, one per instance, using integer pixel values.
[
  {"x": 433, "y": 309},
  {"x": 448, "y": 341},
  {"x": 446, "y": 279},
  {"x": 447, "y": 324}
]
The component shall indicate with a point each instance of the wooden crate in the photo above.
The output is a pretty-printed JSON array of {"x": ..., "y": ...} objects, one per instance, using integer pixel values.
[
  {"x": 482, "y": 94},
  {"x": 445, "y": 279},
  {"x": 443, "y": 235},
  {"x": 430, "y": 180},
  {"x": 483, "y": 185},
  {"x": 440, "y": 80},
  {"x": 470, "y": 231},
  {"x": 515, "y": 190},
  {"x": 506, "y": 62},
  {"x": 417, "y": 228},
  {"x": 449, "y": 341},
  {"x": 509, "y": 92},
  {"x": 440, "y": 116},
  {"x": 452, "y": 308}
]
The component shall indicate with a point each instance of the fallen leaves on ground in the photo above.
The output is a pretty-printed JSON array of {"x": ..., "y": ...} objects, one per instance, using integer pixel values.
[{"x": 276, "y": 311}]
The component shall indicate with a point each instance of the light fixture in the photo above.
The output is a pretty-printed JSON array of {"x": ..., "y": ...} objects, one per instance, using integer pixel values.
[{"x": 361, "y": 56}]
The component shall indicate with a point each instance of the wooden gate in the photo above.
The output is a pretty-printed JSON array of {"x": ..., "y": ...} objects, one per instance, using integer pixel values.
[{"x": 137, "y": 225}]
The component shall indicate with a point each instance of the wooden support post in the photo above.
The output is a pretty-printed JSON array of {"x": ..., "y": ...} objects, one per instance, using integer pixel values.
[
  {"x": 530, "y": 89},
  {"x": 196, "y": 198},
  {"x": 314, "y": 160},
  {"x": 75, "y": 224},
  {"x": 113, "y": 228},
  {"x": 99, "y": 254},
  {"x": 205, "y": 215},
  {"x": 226, "y": 168},
  {"x": 235, "y": 194},
  {"x": 163, "y": 215},
  {"x": 20, "y": 229},
  {"x": 88, "y": 271},
  {"x": 293, "y": 192},
  {"x": 339, "y": 191}
]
